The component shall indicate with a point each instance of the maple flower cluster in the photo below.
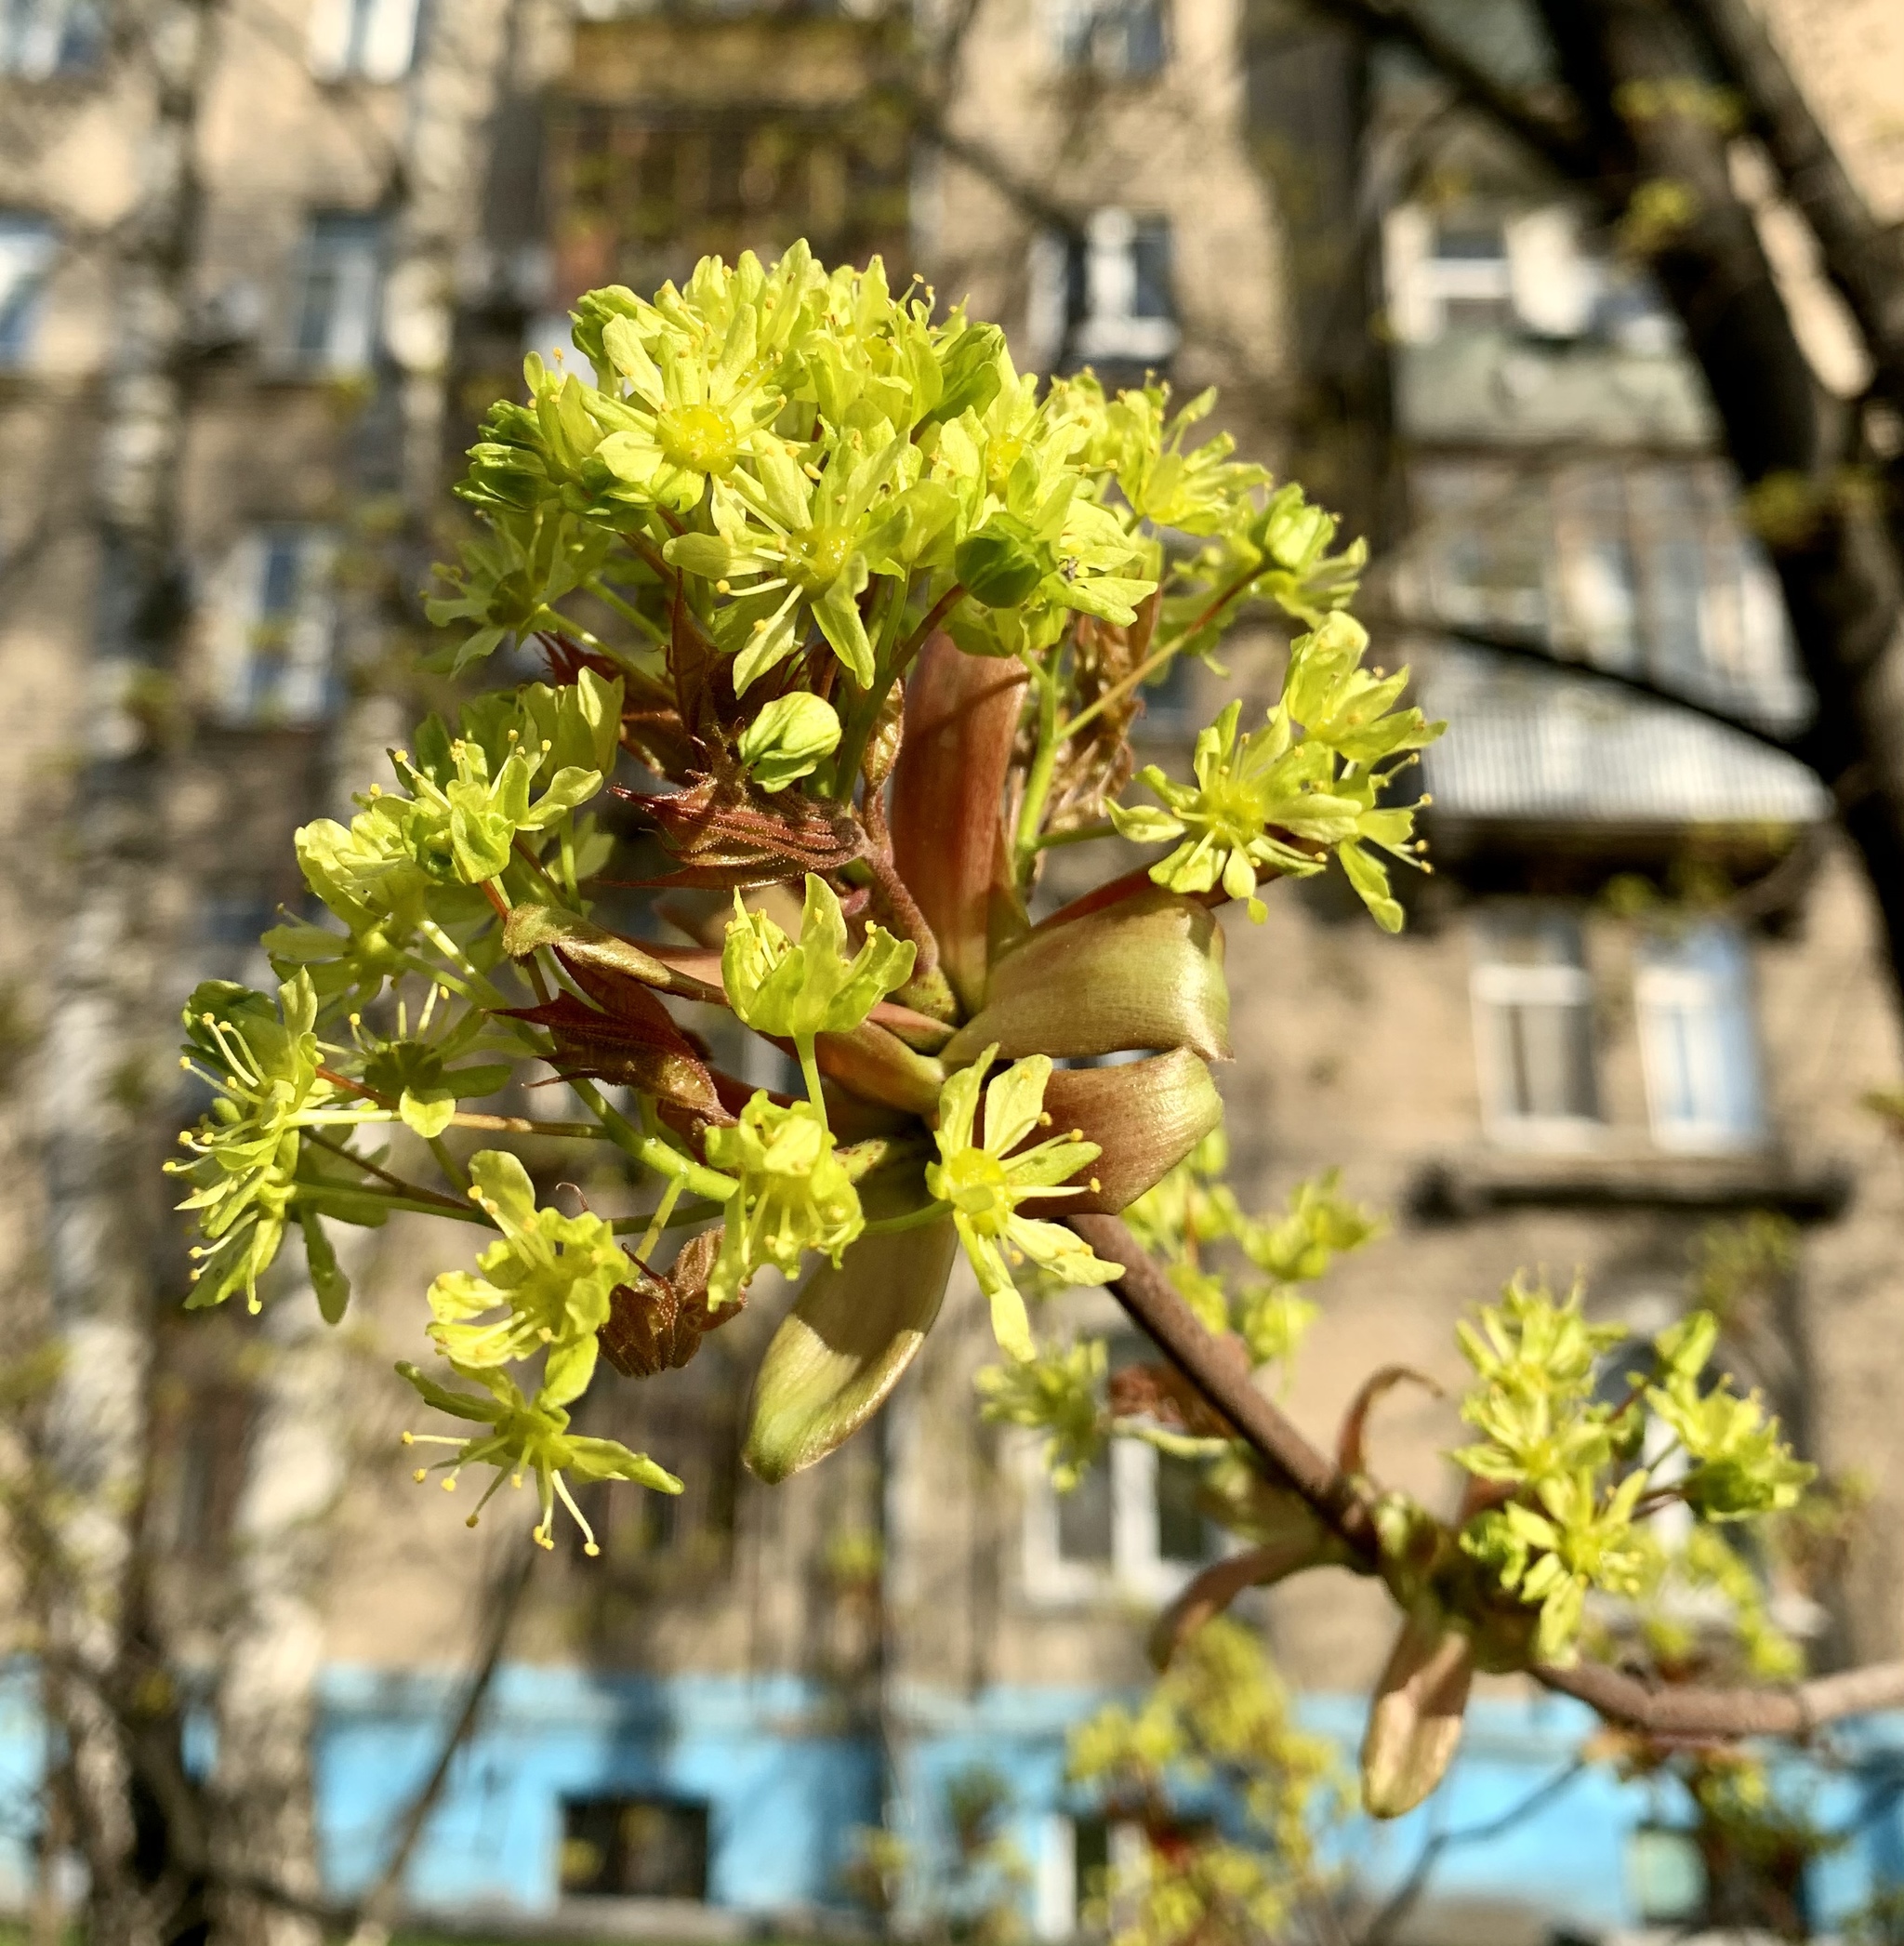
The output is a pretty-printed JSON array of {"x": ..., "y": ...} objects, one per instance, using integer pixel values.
[{"x": 840, "y": 623}]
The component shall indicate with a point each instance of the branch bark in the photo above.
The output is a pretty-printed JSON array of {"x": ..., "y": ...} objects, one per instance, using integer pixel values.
[
  {"x": 1529, "y": 648},
  {"x": 1552, "y": 130},
  {"x": 1864, "y": 258},
  {"x": 1220, "y": 1370}
]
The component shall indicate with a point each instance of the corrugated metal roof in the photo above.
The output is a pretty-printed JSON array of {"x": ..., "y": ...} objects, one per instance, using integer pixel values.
[{"x": 1524, "y": 744}]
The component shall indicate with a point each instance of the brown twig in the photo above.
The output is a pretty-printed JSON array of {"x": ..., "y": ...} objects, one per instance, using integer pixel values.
[{"x": 1221, "y": 1371}]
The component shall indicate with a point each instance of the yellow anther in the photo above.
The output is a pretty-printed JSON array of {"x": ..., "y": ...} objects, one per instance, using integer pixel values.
[
  {"x": 590, "y": 1549},
  {"x": 407, "y": 1439},
  {"x": 421, "y": 1475},
  {"x": 1044, "y": 1118},
  {"x": 723, "y": 587},
  {"x": 1096, "y": 1187},
  {"x": 449, "y": 1486}
]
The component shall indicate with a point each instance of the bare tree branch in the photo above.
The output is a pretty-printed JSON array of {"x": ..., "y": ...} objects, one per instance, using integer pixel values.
[
  {"x": 1864, "y": 258},
  {"x": 374, "y": 1910},
  {"x": 1402, "y": 1901},
  {"x": 1535, "y": 648},
  {"x": 1553, "y": 132}
]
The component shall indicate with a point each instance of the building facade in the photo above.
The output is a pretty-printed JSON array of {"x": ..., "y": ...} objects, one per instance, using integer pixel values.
[{"x": 1639, "y": 995}]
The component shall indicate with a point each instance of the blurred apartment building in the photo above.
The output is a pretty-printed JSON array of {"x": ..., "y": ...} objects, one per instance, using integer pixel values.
[{"x": 1550, "y": 1069}]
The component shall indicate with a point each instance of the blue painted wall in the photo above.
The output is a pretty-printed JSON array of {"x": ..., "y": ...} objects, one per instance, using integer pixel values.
[{"x": 788, "y": 1781}]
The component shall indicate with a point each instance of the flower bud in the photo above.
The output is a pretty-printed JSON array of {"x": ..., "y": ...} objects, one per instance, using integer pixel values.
[
  {"x": 1003, "y": 562},
  {"x": 788, "y": 738}
]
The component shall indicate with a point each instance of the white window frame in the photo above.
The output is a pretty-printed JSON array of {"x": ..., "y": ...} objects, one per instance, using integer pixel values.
[
  {"x": 305, "y": 690},
  {"x": 1421, "y": 284},
  {"x": 353, "y": 323},
  {"x": 1137, "y": 1570},
  {"x": 1109, "y": 329},
  {"x": 29, "y": 242},
  {"x": 362, "y": 40},
  {"x": 1719, "y": 1000},
  {"x": 1496, "y": 984}
]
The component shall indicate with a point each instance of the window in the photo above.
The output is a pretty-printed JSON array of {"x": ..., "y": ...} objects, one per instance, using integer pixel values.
[
  {"x": 366, "y": 40},
  {"x": 1130, "y": 1525},
  {"x": 334, "y": 314},
  {"x": 1120, "y": 40},
  {"x": 1534, "y": 1027},
  {"x": 27, "y": 245},
  {"x": 1104, "y": 298},
  {"x": 634, "y": 1847},
  {"x": 1694, "y": 994},
  {"x": 273, "y": 622},
  {"x": 1666, "y": 1876},
  {"x": 41, "y": 38},
  {"x": 1446, "y": 269},
  {"x": 1642, "y": 568}
]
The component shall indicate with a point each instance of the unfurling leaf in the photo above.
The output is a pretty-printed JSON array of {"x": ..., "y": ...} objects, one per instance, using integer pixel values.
[
  {"x": 1144, "y": 973},
  {"x": 327, "y": 1278},
  {"x": 1415, "y": 1721},
  {"x": 845, "y": 1346}
]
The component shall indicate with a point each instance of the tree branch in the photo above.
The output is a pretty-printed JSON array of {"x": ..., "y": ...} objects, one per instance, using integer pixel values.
[
  {"x": 1556, "y": 135},
  {"x": 1534, "y": 648},
  {"x": 1221, "y": 1371},
  {"x": 1862, "y": 257}
]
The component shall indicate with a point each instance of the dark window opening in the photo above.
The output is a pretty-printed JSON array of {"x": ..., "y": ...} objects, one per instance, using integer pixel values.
[
  {"x": 634, "y": 1847},
  {"x": 1084, "y": 1518}
]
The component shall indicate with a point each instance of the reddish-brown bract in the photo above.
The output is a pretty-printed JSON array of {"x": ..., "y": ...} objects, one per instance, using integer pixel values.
[{"x": 961, "y": 715}]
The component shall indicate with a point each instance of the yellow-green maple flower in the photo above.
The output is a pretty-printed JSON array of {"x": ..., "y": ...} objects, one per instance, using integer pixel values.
[
  {"x": 698, "y": 402},
  {"x": 798, "y": 989},
  {"x": 793, "y": 1194},
  {"x": 1304, "y": 777},
  {"x": 984, "y": 1182},
  {"x": 1549, "y": 1558},
  {"x": 803, "y": 549},
  {"x": 262, "y": 1058},
  {"x": 1740, "y": 1465},
  {"x": 529, "y": 1437},
  {"x": 549, "y": 1277},
  {"x": 1056, "y": 1392}
]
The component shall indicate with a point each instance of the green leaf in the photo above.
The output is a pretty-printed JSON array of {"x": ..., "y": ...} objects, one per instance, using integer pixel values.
[{"x": 333, "y": 1288}]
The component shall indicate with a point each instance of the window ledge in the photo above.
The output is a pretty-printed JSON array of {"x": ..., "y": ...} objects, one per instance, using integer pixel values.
[{"x": 1468, "y": 1184}]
